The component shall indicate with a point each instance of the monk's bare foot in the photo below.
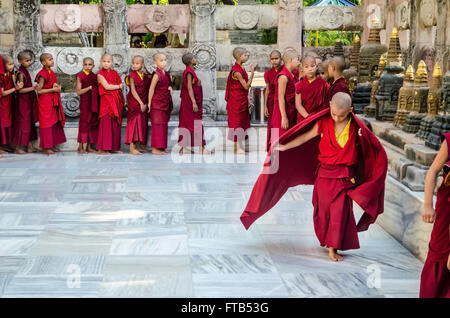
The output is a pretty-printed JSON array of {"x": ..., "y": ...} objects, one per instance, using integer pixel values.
[
  {"x": 142, "y": 149},
  {"x": 2, "y": 151},
  {"x": 205, "y": 151},
  {"x": 81, "y": 149},
  {"x": 31, "y": 149},
  {"x": 239, "y": 151},
  {"x": 156, "y": 151},
  {"x": 334, "y": 256},
  {"x": 103, "y": 152},
  {"x": 91, "y": 149},
  {"x": 20, "y": 151},
  {"x": 55, "y": 149},
  {"x": 1, "y": 156},
  {"x": 117, "y": 151},
  {"x": 134, "y": 151},
  {"x": 48, "y": 152}
]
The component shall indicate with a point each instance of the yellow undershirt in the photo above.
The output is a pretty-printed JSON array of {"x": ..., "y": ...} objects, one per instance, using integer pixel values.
[
  {"x": 343, "y": 137},
  {"x": 86, "y": 72}
]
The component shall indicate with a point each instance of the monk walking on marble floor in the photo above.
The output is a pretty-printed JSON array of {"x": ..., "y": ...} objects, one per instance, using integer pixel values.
[
  {"x": 87, "y": 89},
  {"x": 111, "y": 107},
  {"x": 236, "y": 96},
  {"x": 136, "y": 133},
  {"x": 51, "y": 114},
  {"x": 26, "y": 110},
  {"x": 160, "y": 105},
  {"x": 336, "y": 152},
  {"x": 435, "y": 278},
  {"x": 270, "y": 77}
]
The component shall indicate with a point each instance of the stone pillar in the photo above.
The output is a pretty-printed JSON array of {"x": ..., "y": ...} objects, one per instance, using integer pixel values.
[
  {"x": 290, "y": 25},
  {"x": 115, "y": 34},
  {"x": 27, "y": 35},
  {"x": 6, "y": 26},
  {"x": 202, "y": 43}
]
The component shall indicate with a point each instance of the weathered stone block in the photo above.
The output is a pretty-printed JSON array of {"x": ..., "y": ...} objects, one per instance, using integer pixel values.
[
  {"x": 415, "y": 178},
  {"x": 420, "y": 154},
  {"x": 398, "y": 168},
  {"x": 6, "y": 18}
]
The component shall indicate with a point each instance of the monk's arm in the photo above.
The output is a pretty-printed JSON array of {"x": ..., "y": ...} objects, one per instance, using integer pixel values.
[
  {"x": 40, "y": 90},
  {"x": 300, "y": 140},
  {"x": 428, "y": 213},
  {"x": 244, "y": 84},
  {"x": 9, "y": 91},
  {"x": 81, "y": 91},
  {"x": 298, "y": 105},
  {"x": 151, "y": 90},
  {"x": 266, "y": 97},
  {"x": 191, "y": 92},
  {"x": 134, "y": 92},
  {"x": 109, "y": 87},
  {"x": 21, "y": 79}
]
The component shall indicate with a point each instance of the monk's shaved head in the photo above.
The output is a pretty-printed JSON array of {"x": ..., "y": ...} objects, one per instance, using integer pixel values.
[
  {"x": 289, "y": 55},
  {"x": 187, "y": 58},
  {"x": 276, "y": 53},
  {"x": 7, "y": 58},
  {"x": 238, "y": 52},
  {"x": 158, "y": 56},
  {"x": 312, "y": 54},
  {"x": 45, "y": 56},
  {"x": 23, "y": 55},
  {"x": 338, "y": 63},
  {"x": 88, "y": 59},
  {"x": 138, "y": 57},
  {"x": 309, "y": 60},
  {"x": 342, "y": 101},
  {"x": 107, "y": 56}
]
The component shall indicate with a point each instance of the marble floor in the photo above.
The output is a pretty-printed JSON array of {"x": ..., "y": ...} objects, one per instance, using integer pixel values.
[{"x": 145, "y": 226}]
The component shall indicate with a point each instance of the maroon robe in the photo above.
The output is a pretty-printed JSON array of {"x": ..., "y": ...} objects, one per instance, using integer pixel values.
[
  {"x": 298, "y": 165},
  {"x": 189, "y": 121},
  {"x": 51, "y": 114},
  {"x": 270, "y": 77},
  {"x": 6, "y": 107},
  {"x": 435, "y": 278},
  {"x": 110, "y": 112},
  {"x": 312, "y": 94},
  {"x": 289, "y": 100},
  {"x": 340, "y": 85},
  {"x": 160, "y": 110},
  {"x": 25, "y": 113},
  {"x": 236, "y": 97},
  {"x": 137, "y": 120},
  {"x": 88, "y": 124}
]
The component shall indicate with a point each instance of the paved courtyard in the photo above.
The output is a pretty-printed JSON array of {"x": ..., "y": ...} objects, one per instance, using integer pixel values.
[{"x": 143, "y": 226}]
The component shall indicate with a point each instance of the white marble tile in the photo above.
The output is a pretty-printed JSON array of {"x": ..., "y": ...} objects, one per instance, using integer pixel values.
[
  {"x": 62, "y": 265},
  {"x": 231, "y": 264}
]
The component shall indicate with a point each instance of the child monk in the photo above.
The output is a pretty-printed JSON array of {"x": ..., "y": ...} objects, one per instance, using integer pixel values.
[
  {"x": 111, "y": 107},
  {"x": 270, "y": 77},
  {"x": 351, "y": 165},
  {"x": 284, "y": 110},
  {"x": 7, "y": 101},
  {"x": 26, "y": 110},
  {"x": 338, "y": 83},
  {"x": 310, "y": 90},
  {"x": 191, "y": 109},
  {"x": 136, "y": 133},
  {"x": 322, "y": 71},
  {"x": 51, "y": 114},
  {"x": 87, "y": 89},
  {"x": 160, "y": 105},
  {"x": 435, "y": 278},
  {"x": 236, "y": 96}
]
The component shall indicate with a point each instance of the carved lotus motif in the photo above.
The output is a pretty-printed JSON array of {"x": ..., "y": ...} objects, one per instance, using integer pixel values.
[
  {"x": 205, "y": 55},
  {"x": 26, "y": 7},
  {"x": 331, "y": 17},
  {"x": 246, "y": 18},
  {"x": 68, "y": 18},
  {"x": 70, "y": 104},
  {"x": 70, "y": 61}
]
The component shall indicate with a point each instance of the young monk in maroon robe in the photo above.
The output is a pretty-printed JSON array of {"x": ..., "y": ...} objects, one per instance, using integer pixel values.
[
  {"x": 136, "y": 133},
  {"x": 270, "y": 77},
  {"x": 310, "y": 90},
  {"x": 284, "y": 110},
  {"x": 87, "y": 89},
  {"x": 190, "y": 127},
  {"x": 335, "y": 67},
  {"x": 111, "y": 107},
  {"x": 51, "y": 114},
  {"x": 337, "y": 153},
  {"x": 160, "y": 104},
  {"x": 7, "y": 101},
  {"x": 236, "y": 96},
  {"x": 435, "y": 278},
  {"x": 26, "y": 110}
]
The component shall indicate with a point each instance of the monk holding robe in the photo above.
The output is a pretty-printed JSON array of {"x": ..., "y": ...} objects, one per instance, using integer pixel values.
[
  {"x": 7, "y": 101},
  {"x": 136, "y": 133},
  {"x": 236, "y": 96},
  {"x": 310, "y": 90},
  {"x": 87, "y": 89},
  {"x": 51, "y": 114},
  {"x": 190, "y": 127},
  {"x": 337, "y": 153},
  {"x": 160, "y": 104},
  {"x": 338, "y": 83},
  {"x": 435, "y": 278},
  {"x": 284, "y": 110},
  {"x": 270, "y": 77},
  {"x": 26, "y": 110},
  {"x": 111, "y": 107}
]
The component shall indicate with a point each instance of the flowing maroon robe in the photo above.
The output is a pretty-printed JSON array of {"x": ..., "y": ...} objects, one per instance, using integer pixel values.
[
  {"x": 6, "y": 107},
  {"x": 313, "y": 94},
  {"x": 298, "y": 165},
  {"x": 25, "y": 113},
  {"x": 160, "y": 110},
  {"x": 270, "y": 77},
  {"x": 110, "y": 112},
  {"x": 236, "y": 97},
  {"x": 435, "y": 278},
  {"x": 51, "y": 114},
  {"x": 189, "y": 121},
  {"x": 88, "y": 124},
  {"x": 137, "y": 120},
  {"x": 340, "y": 85},
  {"x": 289, "y": 102}
]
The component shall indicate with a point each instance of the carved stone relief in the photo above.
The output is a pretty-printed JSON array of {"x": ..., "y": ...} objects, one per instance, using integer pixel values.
[
  {"x": 26, "y": 7},
  {"x": 158, "y": 19},
  {"x": 427, "y": 13},
  {"x": 290, "y": 5},
  {"x": 70, "y": 104},
  {"x": 402, "y": 15},
  {"x": 203, "y": 8},
  {"x": 205, "y": 55},
  {"x": 70, "y": 60},
  {"x": 6, "y": 25},
  {"x": 246, "y": 18},
  {"x": 68, "y": 18},
  {"x": 71, "y": 18}
]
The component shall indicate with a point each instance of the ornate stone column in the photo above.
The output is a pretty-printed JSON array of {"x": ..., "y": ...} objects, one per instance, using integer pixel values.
[
  {"x": 27, "y": 35},
  {"x": 290, "y": 25},
  {"x": 202, "y": 43}
]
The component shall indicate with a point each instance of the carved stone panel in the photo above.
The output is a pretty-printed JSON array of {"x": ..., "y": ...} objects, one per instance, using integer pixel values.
[
  {"x": 290, "y": 5},
  {"x": 70, "y": 60},
  {"x": 158, "y": 19},
  {"x": 68, "y": 18},
  {"x": 427, "y": 13},
  {"x": 26, "y": 7},
  {"x": 332, "y": 18},
  {"x": 174, "y": 63},
  {"x": 205, "y": 55},
  {"x": 402, "y": 15},
  {"x": 70, "y": 104},
  {"x": 6, "y": 25},
  {"x": 71, "y": 18},
  {"x": 246, "y": 18},
  {"x": 203, "y": 8}
]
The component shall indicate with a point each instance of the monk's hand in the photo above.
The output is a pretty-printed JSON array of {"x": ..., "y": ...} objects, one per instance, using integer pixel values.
[
  {"x": 195, "y": 107},
  {"x": 448, "y": 262},
  {"x": 252, "y": 68},
  {"x": 266, "y": 111},
  {"x": 170, "y": 90},
  {"x": 284, "y": 123},
  {"x": 143, "y": 107},
  {"x": 428, "y": 214},
  {"x": 121, "y": 86},
  {"x": 36, "y": 87},
  {"x": 57, "y": 88},
  {"x": 90, "y": 87}
]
